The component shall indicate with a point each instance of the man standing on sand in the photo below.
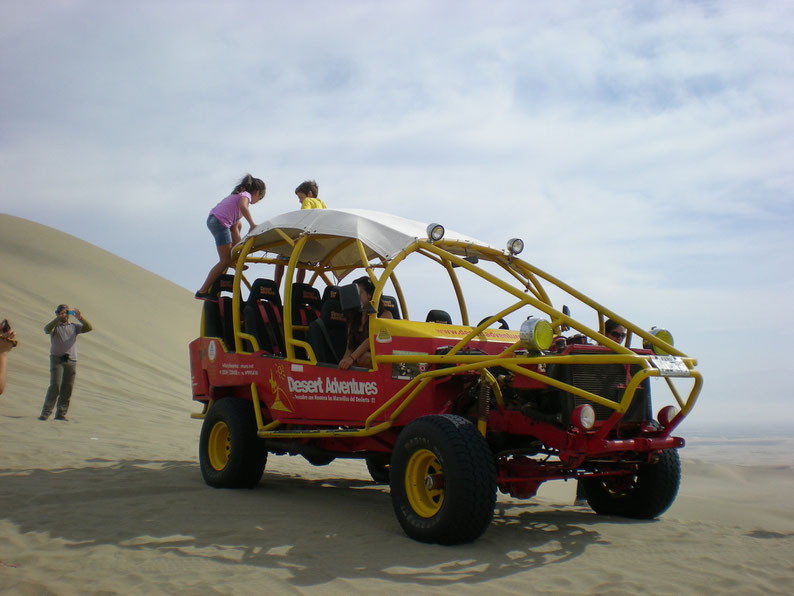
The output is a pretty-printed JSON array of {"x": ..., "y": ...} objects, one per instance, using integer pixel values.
[{"x": 63, "y": 360}]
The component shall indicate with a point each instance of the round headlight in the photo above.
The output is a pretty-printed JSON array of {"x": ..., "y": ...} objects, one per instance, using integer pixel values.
[
  {"x": 435, "y": 232},
  {"x": 666, "y": 415},
  {"x": 515, "y": 246},
  {"x": 536, "y": 334},
  {"x": 662, "y": 334},
  {"x": 583, "y": 417}
]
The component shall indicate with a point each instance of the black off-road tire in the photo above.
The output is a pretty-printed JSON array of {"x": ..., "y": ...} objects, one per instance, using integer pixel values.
[
  {"x": 231, "y": 454},
  {"x": 443, "y": 480},
  {"x": 378, "y": 467},
  {"x": 645, "y": 495}
]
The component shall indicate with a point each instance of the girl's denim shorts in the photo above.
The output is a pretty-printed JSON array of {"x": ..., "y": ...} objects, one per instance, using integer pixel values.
[{"x": 221, "y": 233}]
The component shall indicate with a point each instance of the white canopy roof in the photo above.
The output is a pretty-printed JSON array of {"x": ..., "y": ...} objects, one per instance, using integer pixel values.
[{"x": 382, "y": 234}]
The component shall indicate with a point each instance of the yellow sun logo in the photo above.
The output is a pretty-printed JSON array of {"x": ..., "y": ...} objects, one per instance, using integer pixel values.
[{"x": 277, "y": 391}]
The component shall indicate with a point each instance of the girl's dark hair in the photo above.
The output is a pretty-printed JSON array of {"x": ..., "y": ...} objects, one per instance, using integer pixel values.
[
  {"x": 610, "y": 326},
  {"x": 250, "y": 184}
]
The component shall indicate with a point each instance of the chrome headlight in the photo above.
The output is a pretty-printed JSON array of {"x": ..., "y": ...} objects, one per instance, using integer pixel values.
[
  {"x": 515, "y": 246},
  {"x": 536, "y": 334},
  {"x": 662, "y": 334},
  {"x": 435, "y": 232}
]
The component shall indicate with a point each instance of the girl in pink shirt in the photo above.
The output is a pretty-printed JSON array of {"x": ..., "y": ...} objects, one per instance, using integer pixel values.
[{"x": 225, "y": 225}]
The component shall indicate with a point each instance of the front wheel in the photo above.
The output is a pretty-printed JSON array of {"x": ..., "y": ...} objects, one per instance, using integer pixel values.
[
  {"x": 443, "y": 480},
  {"x": 231, "y": 454},
  {"x": 645, "y": 494}
]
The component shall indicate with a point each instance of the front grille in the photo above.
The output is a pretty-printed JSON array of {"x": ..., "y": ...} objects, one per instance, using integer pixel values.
[{"x": 605, "y": 380}]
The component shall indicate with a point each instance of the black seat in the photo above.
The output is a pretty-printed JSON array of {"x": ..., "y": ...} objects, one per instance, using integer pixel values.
[
  {"x": 328, "y": 334},
  {"x": 263, "y": 316},
  {"x": 438, "y": 316},
  {"x": 306, "y": 305},
  {"x": 390, "y": 303},
  {"x": 330, "y": 293},
  {"x": 218, "y": 319}
]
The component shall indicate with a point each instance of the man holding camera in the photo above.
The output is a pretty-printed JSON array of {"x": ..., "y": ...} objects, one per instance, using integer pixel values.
[{"x": 63, "y": 360}]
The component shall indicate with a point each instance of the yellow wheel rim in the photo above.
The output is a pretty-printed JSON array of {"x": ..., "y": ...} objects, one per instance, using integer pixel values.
[
  {"x": 424, "y": 484},
  {"x": 219, "y": 446}
]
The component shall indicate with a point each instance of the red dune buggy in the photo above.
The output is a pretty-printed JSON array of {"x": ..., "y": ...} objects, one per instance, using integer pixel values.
[{"x": 451, "y": 409}]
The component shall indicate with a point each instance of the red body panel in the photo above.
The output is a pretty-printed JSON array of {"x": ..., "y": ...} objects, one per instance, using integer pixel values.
[{"x": 302, "y": 393}]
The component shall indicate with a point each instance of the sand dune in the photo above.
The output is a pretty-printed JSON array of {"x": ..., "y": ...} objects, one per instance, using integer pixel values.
[{"x": 113, "y": 501}]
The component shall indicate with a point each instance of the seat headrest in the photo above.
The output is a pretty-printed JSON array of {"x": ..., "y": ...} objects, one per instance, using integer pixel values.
[
  {"x": 331, "y": 293},
  {"x": 264, "y": 289},
  {"x": 439, "y": 316},
  {"x": 305, "y": 294},
  {"x": 224, "y": 283},
  {"x": 390, "y": 303}
]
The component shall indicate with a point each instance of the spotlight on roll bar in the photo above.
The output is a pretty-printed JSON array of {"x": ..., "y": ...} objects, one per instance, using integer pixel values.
[
  {"x": 435, "y": 232},
  {"x": 662, "y": 334},
  {"x": 515, "y": 246},
  {"x": 536, "y": 334}
]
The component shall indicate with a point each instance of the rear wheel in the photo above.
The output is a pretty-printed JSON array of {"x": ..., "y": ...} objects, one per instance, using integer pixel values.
[
  {"x": 231, "y": 454},
  {"x": 645, "y": 494},
  {"x": 443, "y": 480}
]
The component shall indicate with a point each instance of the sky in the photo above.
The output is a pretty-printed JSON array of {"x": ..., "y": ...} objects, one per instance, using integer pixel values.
[{"x": 643, "y": 150}]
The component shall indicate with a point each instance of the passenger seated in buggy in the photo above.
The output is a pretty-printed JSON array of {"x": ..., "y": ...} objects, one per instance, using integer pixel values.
[{"x": 358, "y": 349}]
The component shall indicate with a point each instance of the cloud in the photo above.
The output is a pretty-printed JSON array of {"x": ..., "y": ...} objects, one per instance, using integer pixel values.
[{"x": 643, "y": 150}]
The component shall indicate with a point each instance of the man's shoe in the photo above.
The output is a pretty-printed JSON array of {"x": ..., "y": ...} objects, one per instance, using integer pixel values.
[
  {"x": 42, "y": 417},
  {"x": 205, "y": 296},
  {"x": 64, "y": 418}
]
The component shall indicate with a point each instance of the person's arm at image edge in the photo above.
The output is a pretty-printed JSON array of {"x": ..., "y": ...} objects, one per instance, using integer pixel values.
[{"x": 5, "y": 347}]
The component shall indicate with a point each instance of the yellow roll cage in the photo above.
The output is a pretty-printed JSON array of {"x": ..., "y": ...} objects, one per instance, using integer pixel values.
[{"x": 450, "y": 254}]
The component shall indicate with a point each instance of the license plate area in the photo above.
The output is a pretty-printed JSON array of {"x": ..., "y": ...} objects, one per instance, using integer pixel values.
[{"x": 670, "y": 366}]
